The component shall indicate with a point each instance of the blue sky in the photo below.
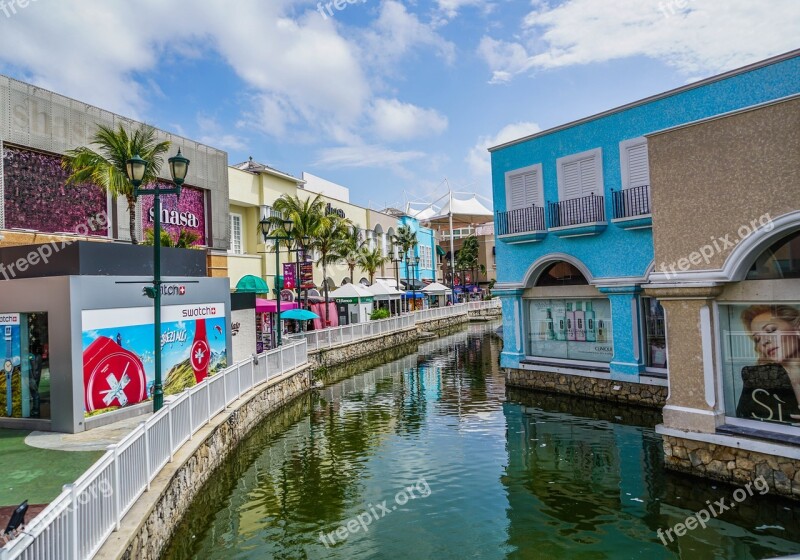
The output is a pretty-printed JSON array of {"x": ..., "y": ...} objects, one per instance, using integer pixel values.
[{"x": 386, "y": 97}]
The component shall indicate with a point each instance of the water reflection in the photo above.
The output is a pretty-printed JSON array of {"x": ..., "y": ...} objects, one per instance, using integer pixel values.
[{"x": 512, "y": 474}]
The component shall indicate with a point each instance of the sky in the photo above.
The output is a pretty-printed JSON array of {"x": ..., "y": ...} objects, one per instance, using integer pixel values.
[{"x": 393, "y": 99}]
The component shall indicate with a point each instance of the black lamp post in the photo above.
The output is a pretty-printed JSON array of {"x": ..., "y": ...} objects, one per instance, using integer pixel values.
[
  {"x": 414, "y": 280},
  {"x": 136, "y": 168},
  {"x": 266, "y": 228}
]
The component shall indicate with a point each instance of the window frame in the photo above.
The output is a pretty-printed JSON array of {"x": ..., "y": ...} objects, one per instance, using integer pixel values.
[
  {"x": 232, "y": 248},
  {"x": 624, "y": 161},
  {"x": 597, "y": 155},
  {"x": 538, "y": 187}
]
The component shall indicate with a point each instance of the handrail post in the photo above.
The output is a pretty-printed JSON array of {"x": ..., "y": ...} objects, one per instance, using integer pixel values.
[
  {"x": 146, "y": 452},
  {"x": 171, "y": 442},
  {"x": 116, "y": 486},
  {"x": 73, "y": 498}
]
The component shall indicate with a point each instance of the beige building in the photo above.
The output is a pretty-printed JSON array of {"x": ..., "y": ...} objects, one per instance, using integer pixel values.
[
  {"x": 254, "y": 188},
  {"x": 726, "y": 228}
]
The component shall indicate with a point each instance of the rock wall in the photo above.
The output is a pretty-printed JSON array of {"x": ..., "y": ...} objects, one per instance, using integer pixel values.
[
  {"x": 176, "y": 486},
  {"x": 487, "y": 312},
  {"x": 605, "y": 389},
  {"x": 737, "y": 466}
]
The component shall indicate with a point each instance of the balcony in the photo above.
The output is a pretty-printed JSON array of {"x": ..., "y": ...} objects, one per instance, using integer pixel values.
[
  {"x": 521, "y": 225},
  {"x": 632, "y": 208},
  {"x": 578, "y": 217}
]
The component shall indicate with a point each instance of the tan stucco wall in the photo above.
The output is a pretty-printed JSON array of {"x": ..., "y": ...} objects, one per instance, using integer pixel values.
[{"x": 711, "y": 178}]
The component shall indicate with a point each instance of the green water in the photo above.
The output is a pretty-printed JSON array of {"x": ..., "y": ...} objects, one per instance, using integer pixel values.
[{"x": 439, "y": 460}]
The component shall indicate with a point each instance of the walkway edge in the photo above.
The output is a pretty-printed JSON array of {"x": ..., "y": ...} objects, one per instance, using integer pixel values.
[{"x": 146, "y": 529}]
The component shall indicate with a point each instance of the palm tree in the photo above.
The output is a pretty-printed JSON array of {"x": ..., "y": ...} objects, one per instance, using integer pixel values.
[
  {"x": 349, "y": 247},
  {"x": 406, "y": 239},
  {"x": 328, "y": 236},
  {"x": 370, "y": 260},
  {"x": 467, "y": 257},
  {"x": 106, "y": 166},
  {"x": 307, "y": 216}
]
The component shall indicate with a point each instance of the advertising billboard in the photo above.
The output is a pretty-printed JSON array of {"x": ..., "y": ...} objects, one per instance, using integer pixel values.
[
  {"x": 187, "y": 212},
  {"x": 118, "y": 354},
  {"x": 761, "y": 361}
]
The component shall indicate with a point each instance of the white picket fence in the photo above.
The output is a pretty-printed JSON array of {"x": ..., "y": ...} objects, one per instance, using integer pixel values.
[
  {"x": 494, "y": 303},
  {"x": 77, "y": 523}
]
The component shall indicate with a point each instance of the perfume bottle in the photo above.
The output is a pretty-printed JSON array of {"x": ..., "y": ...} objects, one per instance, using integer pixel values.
[
  {"x": 570, "y": 322},
  {"x": 200, "y": 355},
  {"x": 560, "y": 322},
  {"x": 601, "y": 330},
  {"x": 580, "y": 323},
  {"x": 551, "y": 333},
  {"x": 591, "y": 327}
]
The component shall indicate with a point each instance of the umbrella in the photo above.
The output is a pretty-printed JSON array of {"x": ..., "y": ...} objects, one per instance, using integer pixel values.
[{"x": 299, "y": 315}]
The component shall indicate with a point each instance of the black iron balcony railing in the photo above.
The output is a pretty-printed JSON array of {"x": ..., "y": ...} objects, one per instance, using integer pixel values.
[
  {"x": 577, "y": 211},
  {"x": 521, "y": 220},
  {"x": 631, "y": 202}
]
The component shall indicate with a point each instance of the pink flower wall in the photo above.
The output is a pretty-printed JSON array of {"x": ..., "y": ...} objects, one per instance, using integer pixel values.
[
  {"x": 37, "y": 196},
  {"x": 188, "y": 212}
]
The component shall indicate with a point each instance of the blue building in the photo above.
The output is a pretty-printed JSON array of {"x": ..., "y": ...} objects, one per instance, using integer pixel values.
[
  {"x": 425, "y": 250},
  {"x": 574, "y": 230}
]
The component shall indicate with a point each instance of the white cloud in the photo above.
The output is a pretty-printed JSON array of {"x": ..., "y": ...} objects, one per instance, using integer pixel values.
[
  {"x": 394, "y": 120},
  {"x": 694, "y": 36},
  {"x": 478, "y": 156},
  {"x": 213, "y": 134},
  {"x": 450, "y": 8},
  {"x": 365, "y": 156}
]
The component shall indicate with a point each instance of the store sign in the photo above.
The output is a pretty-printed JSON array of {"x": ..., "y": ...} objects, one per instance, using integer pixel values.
[
  {"x": 331, "y": 210},
  {"x": 761, "y": 359},
  {"x": 118, "y": 364},
  {"x": 9, "y": 319},
  {"x": 578, "y": 329},
  {"x": 289, "y": 279},
  {"x": 355, "y": 300},
  {"x": 186, "y": 212}
]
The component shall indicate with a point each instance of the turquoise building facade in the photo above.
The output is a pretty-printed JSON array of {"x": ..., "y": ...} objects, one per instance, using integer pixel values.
[{"x": 573, "y": 221}]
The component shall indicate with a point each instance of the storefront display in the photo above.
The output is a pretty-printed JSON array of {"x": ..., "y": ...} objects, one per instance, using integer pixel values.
[
  {"x": 761, "y": 361},
  {"x": 118, "y": 362},
  {"x": 570, "y": 329},
  {"x": 24, "y": 384}
]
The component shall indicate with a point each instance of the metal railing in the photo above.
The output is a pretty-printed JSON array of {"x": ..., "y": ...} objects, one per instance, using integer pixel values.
[
  {"x": 631, "y": 202},
  {"x": 576, "y": 211},
  {"x": 435, "y": 313},
  {"x": 521, "y": 220},
  {"x": 77, "y": 523},
  {"x": 494, "y": 303},
  {"x": 336, "y": 336}
]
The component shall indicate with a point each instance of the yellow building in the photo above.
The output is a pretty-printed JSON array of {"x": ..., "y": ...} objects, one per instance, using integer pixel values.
[{"x": 255, "y": 187}]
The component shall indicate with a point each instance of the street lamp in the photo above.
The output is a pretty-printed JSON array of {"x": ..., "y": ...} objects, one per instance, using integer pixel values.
[
  {"x": 266, "y": 228},
  {"x": 414, "y": 281},
  {"x": 136, "y": 168}
]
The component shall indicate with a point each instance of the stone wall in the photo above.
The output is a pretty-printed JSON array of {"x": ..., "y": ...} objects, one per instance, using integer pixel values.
[
  {"x": 488, "y": 312},
  {"x": 444, "y": 323},
  {"x": 147, "y": 528},
  {"x": 605, "y": 389},
  {"x": 324, "y": 358},
  {"x": 737, "y": 466}
]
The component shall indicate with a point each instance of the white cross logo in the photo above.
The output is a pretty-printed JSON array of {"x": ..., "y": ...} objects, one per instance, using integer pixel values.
[
  {"x": 199, "y": 355},
  {"x": 116, "y": 389}
]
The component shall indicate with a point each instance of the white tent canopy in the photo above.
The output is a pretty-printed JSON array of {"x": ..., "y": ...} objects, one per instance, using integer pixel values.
[
  {"x": 436, "y": 289},
  {"x": 383, "y": 292},
  {"x": 351, "y": 290}
]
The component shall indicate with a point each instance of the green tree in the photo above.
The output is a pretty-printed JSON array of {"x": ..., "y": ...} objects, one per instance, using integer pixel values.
[
  {"x": 370, "y": 260},
  {"x": 467, "y": 257},
  {"x": 406, "y": 239},
  {"x": 348, "y": 249},
  {"x": 307, "y": 216},
  {"x": 186, "y": 239},
  {"x": 329, "y": 235},
  {"x": 105, "y": 166}
]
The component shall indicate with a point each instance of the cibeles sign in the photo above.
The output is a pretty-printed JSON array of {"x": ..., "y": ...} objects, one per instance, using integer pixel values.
[
  {"x": 175, "y": 218},
  {"x": 9, "y": 319}
]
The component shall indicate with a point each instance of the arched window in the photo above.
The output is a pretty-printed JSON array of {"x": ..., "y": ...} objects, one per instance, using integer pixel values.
[
  {"x": 561, "y": 274},
  {"x": 780, "y": 261}
]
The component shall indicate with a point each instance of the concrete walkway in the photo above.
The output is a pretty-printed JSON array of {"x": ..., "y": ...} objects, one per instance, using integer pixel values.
[{"x": 97, "y": 439}]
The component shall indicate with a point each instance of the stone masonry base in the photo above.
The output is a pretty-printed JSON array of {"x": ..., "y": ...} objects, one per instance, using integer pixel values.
[
  {"x": 736, "y": 466},
  {"x": 604, "y": 389}
]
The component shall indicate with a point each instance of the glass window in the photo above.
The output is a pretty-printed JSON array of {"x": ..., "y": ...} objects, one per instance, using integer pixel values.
[
  {"x": 761, "y": 361},
  {"x": 25, "y": 383},
  {"x": 561, "y": 274},
  {"x": 575, "y": 329},
  {"x": 782, "y": 260},
  {"x": 236, "y": 234},
  {"x": 655, "y": 334}
]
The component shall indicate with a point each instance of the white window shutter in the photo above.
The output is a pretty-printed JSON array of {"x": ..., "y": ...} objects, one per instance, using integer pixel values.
[
  {"x": 638, "y": 167},
  {"x": 572, "y": 180},
  {"x": 531, "y": 190},
  {"x": 588, "y": 176},
  {"x": 516, "y": 192}
]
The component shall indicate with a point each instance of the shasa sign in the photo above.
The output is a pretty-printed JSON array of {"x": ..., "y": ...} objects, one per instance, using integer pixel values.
[{"x": 289, "y": 280}]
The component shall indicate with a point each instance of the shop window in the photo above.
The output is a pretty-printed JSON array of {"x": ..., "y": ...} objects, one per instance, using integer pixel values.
[
  {"x": 25, "y": 382},
  {"x": 575, "y": 329},
  {"x": 655, "y": 334},
  {"x": 781, "y": 260},
  {"x": 761, "y": 362},
  {"x": 561, "y": 274}
]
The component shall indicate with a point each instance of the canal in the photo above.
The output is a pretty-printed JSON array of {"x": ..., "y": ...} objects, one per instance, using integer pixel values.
[{"x": 431, "y": 456}]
